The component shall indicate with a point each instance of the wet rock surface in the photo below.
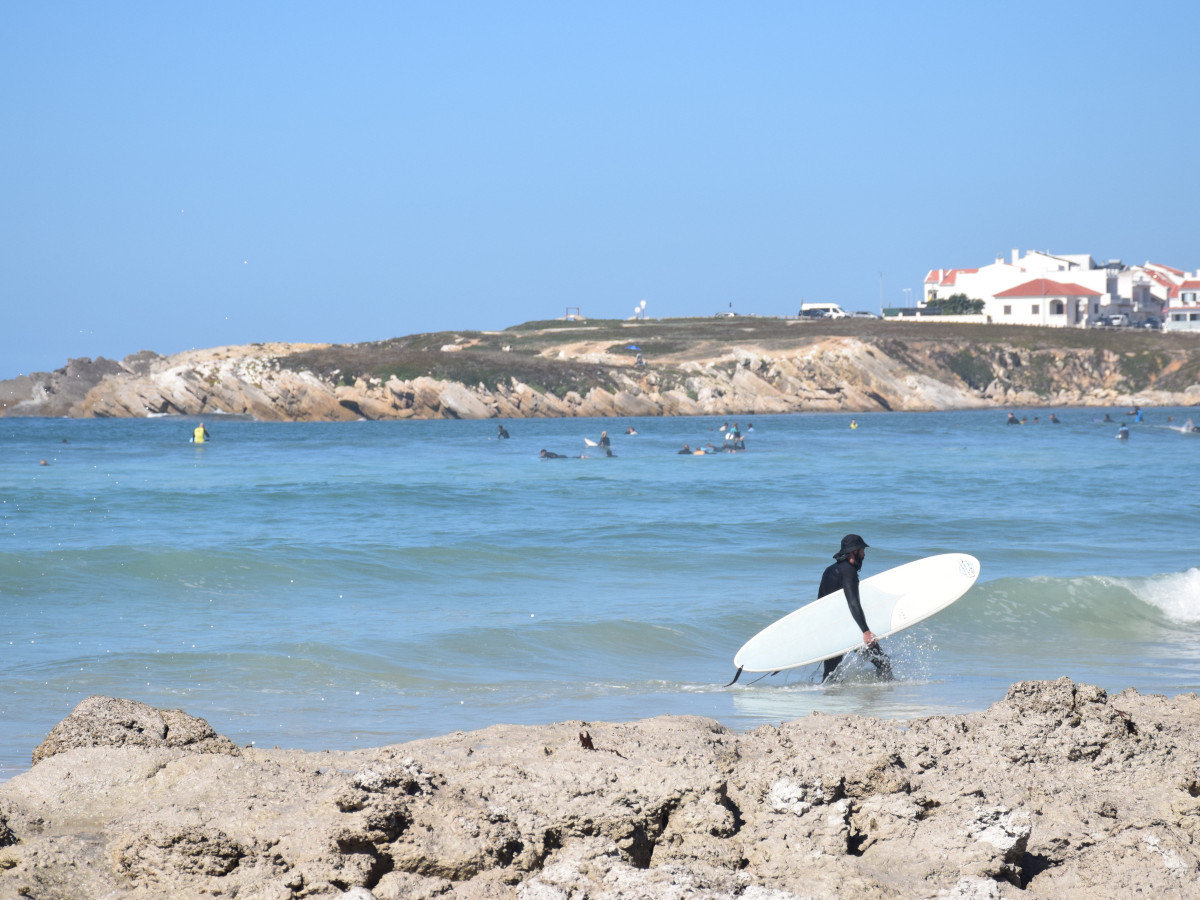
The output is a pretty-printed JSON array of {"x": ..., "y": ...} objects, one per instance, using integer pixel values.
[{"x": 1057, "y": 791}]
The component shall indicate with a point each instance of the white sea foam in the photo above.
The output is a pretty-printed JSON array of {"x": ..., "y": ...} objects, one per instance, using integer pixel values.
[{"x": 1177, "y": 594}]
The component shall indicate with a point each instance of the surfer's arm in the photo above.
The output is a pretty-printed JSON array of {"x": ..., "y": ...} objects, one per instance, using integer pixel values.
[{"x": 850, "y": 588}]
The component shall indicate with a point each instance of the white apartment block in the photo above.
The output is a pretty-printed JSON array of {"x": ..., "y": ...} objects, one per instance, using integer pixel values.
[
  {"x": 1072, "y": 290},
  {"x": 1182, "y": 311}
]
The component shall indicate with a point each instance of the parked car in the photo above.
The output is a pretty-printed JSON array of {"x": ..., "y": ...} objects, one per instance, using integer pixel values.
[
  {"x": 831, "y": 310},
  {"x": 725, "y": 314},
  {"x": 1152, "y": 322},
  {"x": 813, "y": 314},
  {"x": 863, "y": 314},
  {"x": 1120, "y": 320}
]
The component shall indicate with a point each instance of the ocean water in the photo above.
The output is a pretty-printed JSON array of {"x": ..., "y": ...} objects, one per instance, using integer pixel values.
[{"x": 333, "y": 586}]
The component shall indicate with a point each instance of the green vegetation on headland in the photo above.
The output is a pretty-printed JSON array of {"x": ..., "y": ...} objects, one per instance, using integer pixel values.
[
  {"x": 713, "y": 366},
  {"x": 973, "y": 352}
]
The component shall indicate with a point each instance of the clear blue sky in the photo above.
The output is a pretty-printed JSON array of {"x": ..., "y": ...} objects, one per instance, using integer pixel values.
[{"x": 180, "y": 175}]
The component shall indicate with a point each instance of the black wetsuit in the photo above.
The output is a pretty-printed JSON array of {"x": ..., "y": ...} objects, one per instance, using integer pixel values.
[{"x": 843, "y": 576}]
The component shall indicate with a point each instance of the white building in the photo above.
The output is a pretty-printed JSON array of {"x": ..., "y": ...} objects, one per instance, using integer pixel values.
[
  {"x": 1182, "y": 312},
  {"x": 1149, "y": 284},
  {"x": 1084, "y": 288},
  {"x": 1043, "y": 301}
]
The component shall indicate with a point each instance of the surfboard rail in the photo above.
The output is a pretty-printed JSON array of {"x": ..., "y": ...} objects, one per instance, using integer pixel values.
[{"x": 892, "y": 601}]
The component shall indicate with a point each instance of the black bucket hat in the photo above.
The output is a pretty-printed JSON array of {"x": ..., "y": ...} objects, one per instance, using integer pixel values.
[{"x": 850, "y": 543}]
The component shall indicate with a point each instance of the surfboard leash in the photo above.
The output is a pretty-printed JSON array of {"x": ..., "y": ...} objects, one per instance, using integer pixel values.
[{"x": 738, "y": 674}]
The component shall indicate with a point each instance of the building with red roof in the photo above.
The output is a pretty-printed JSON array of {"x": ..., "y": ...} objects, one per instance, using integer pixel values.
[
  {"x": 1044, "y": 301},
  {"x": 1182, "y": 312},
  {"x": 1067, "y": 290}
]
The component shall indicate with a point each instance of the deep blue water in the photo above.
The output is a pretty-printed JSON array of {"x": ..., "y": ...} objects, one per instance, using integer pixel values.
[{"x": 355, "y": 584}]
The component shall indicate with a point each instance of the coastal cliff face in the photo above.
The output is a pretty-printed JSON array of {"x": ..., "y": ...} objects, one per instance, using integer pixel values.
[
  {"x": 1057, "y": 791},
  {"x": 565, "y": 371}
]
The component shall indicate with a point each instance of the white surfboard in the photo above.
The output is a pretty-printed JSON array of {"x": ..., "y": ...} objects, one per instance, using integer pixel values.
[
  {"x": 590, "y": 442},
  {"x": 891, "y": 601}
]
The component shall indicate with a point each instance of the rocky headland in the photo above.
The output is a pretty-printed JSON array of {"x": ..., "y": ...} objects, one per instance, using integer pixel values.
[
  {"x": 1056, "y": 791},
  {"x": 692, "y": 367}
]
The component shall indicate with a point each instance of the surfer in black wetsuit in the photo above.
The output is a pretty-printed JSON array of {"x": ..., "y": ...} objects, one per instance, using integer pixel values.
[
  {"x": 843, "y": 576},
  {"x": 550, "y": 454}
]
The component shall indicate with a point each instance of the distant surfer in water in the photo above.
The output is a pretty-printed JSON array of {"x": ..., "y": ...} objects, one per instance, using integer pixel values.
[
  {"x": 843, "y": 576},
  {"x": 501, "y": 433},
  {"x": 604, "y": 441},
  {"x": 200, "y": 434}
]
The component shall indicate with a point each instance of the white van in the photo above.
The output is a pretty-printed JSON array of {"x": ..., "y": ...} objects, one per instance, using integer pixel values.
[{"x": 822, "y": 310}]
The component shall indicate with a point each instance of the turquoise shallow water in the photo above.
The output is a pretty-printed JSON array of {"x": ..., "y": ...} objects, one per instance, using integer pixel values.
[{"x": 343, "y": 585}]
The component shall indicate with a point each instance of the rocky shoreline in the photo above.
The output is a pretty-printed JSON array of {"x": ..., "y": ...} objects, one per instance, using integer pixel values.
[
  {"x": 566, "y": 372},
  {"x": 1056, "y": 791}
]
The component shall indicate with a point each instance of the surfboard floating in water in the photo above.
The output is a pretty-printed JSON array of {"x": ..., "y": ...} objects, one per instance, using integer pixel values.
[{"x": 892, "y": 601}]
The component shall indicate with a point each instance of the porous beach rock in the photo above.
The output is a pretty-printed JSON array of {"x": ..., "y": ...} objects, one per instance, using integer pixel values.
[
  {"x": 112, "y": 722},
  {"x": 1056, "y": 791}
]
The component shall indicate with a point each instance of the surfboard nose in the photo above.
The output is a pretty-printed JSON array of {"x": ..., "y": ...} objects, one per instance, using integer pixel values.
[{"x": 924, "y": 600}]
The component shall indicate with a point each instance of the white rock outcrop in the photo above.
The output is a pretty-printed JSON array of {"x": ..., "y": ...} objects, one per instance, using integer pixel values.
[{"x": 830, "y": 374}]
